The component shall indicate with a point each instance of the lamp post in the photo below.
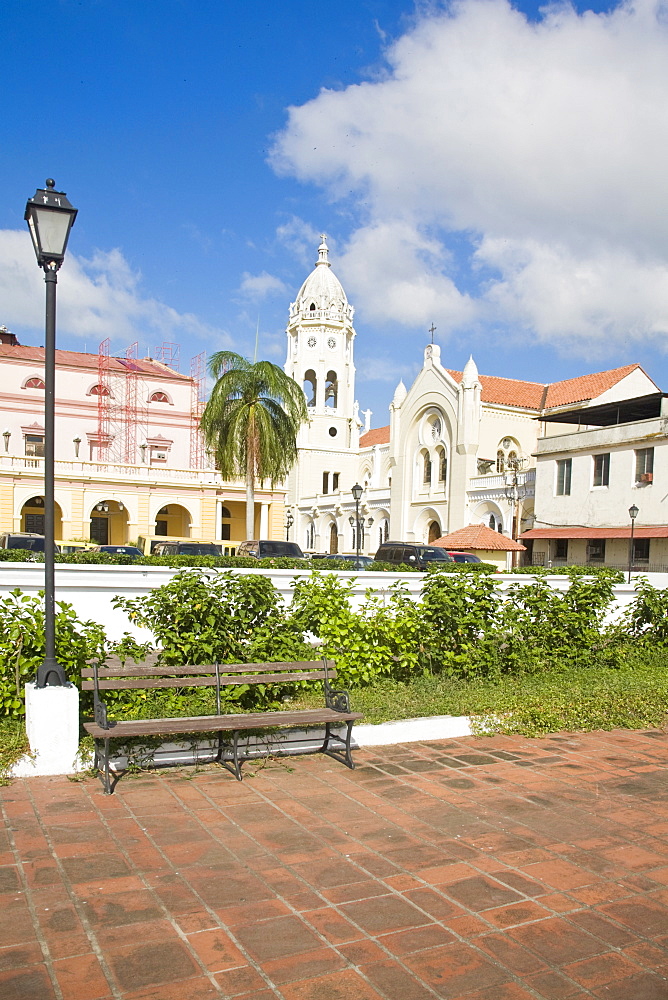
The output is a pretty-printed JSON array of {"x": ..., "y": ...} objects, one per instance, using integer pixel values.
[
  {"x": 357, "y": 491},
  {"x": 50, "y": 217},
  {"x": 633, "y": 513},
  {"x": 289, "y": 521}
]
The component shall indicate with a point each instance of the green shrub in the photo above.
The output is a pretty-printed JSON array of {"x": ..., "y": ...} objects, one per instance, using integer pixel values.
[{"x": 22, "y": 646}]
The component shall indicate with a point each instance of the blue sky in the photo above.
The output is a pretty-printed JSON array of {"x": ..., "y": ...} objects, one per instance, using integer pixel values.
[{"x": 498, "y": 171}]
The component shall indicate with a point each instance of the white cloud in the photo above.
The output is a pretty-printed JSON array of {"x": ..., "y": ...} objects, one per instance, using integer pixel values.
[
  {"x": 97, "y": 298},
  {"x": 300, "y": 238},
  {"x": 258, "y": 286},
  {"x": 537, "y": 150}
]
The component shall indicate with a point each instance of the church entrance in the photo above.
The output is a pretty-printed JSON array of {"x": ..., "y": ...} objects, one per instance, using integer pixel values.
[
  {"x": 434, "y": 531},
  {"x": 333, "y": 539}
]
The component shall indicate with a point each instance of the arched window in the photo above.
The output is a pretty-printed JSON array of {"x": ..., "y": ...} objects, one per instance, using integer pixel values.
[
  {"x": 442, "y": 465},
  {"x": 426, "y": 469},
  {"x": 333, "y": 538},
  {"x": 310, "y": 536},
  {"x": 158, "y": 397},
  {"x": 500, "y": 461},
  {"x": 310, "y": 384},
  {"x": 331, "y": 390},
  {"x": 434, "y": 531},
  {"x": 312, "y": 307},
  {"x": 492, "y": 522},
  {"x": 99, "y": 390},
  {"x": 34, "y": 383}
]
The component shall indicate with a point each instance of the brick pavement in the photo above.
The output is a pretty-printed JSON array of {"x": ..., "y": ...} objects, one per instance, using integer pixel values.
[{"x": 494, "y": 869}]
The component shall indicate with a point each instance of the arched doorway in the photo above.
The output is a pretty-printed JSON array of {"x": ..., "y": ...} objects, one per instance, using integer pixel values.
[
  {"x": 32, "y": 517},
  {"x": 333, "y": 538},
  {"x": 108, "y": 523},
  {"x": 434, "y": 531},
  {"x": 173, "y": 520}
]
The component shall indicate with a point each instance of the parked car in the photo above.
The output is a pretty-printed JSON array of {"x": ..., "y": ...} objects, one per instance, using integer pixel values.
[
  {"x": 270, "y": 549},
  {"x": 347, "y": 557},
  {"x": 411, "y": 554},
  {"x": 465, "y": 557},
  {"x": 70, "y": 547},
  {"x": 23, "y": 540},
  {"x": 147, "y": 543},
  {"x": 187, "y": 548},
  {"x": 119, "y": 550}
]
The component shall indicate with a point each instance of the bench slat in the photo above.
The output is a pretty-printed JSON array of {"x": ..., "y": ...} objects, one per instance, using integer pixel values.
[
  {"x": 218, "y": 723},
  {"x": 141, "y": 670},
  {"x": 118, "y": 684}
]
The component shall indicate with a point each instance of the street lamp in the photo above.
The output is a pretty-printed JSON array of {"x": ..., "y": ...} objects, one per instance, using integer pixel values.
[
  {"x": 633, "y": 513},
  {"x": 357, "y": 492},
  {"x": 50, "y": 217},
  {"x": 289, "y": 521}
]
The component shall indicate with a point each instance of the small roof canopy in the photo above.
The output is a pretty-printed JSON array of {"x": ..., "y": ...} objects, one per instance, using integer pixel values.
[
  {"x": 622, "y": 411},
  {"x": 478, "y": 538}
]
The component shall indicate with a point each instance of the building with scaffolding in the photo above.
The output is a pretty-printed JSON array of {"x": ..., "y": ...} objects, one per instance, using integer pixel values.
[{"x": 130, "y": 461}]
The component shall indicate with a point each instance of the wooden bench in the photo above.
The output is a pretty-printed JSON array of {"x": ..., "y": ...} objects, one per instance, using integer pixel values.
[{"x": 149, "y": 674}]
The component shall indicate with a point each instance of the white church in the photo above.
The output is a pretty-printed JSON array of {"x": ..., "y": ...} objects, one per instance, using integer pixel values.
[{"x": 458, "y": 449}]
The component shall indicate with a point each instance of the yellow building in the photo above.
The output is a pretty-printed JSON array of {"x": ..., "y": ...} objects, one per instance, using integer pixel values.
[{"x": 129, "y": 460}]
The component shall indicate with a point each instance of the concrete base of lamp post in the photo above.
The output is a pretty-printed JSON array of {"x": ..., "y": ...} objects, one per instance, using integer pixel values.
[{"x": 52, "y": 727}]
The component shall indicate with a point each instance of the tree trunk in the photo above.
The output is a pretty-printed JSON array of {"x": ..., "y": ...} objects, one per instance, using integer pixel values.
[{"x": 250, "y": 505}]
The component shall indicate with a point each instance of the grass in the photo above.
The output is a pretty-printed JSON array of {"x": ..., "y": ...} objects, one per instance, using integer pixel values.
[
  {"x": 633, "y": 696},
  {"x": 13, "y": 746}
]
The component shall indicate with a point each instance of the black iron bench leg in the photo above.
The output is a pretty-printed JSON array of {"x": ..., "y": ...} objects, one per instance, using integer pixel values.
[
  {"x": 343, "y": 754},
  {"x": 235, "y": 766},
  {"x": 106, "y": 775}
]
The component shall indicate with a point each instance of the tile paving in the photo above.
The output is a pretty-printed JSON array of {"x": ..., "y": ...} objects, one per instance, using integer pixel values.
[{"x": 495, "y": 869}]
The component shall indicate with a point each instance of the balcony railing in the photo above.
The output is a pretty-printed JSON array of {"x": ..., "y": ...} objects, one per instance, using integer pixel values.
[
  {"x": 500, "y": 480},
  {"x": 109, "y": 470}
]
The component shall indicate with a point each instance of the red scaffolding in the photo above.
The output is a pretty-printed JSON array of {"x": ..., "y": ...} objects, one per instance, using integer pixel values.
[
  {"x": 122, "y": 405},
  {"x": 198, "y": 376}
]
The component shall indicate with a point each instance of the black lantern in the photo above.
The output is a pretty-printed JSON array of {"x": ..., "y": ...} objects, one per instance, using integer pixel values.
[
  {"x": 357, "y": 492},
  {"x": 289, "y": 521},
  {"x": 50, "y": 217},
  {"x": 633, "y": 513}
]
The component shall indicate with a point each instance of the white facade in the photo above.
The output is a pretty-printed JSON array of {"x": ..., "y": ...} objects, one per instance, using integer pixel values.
[
  {"x": 459, "y": 449},
  {"x": 591, "y": 477}
]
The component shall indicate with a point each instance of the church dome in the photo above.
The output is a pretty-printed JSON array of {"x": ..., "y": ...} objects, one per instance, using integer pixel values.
[{"x": 322, "y": 291}]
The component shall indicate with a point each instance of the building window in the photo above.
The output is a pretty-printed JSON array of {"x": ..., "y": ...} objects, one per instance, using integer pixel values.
[
  {"x": 325, "y": 482},
  {"x": 564, "y": 466},
  {"x": 596, "y": 550},
  {"x": 34, "y": 444},
  {"x": 331, "y": 390},
  {"x": 310, "y": 536},
  {"x": 644, "y": 465},
  {"x": 601, "y": 470},
  {"x": 34, "y": 383},
  {"x": 500, "y": 461},
  {"x": 310, "y": 384},
  {"x": 99, "y": 390},
  {"x": 442, "y": 465},
  {"x": 335, "y": 481},
  {"x": 561, "y": 548},
  {"x": 641, "y": 550},
  {"x": 158, "y": 397},
  {"x": 426, "y": 469}
]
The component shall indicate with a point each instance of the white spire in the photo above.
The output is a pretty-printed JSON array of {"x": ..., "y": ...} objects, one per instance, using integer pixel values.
[
  {"x": 399, "y": 394},
  {"x": 470, "y": 373},
  {"x": 323, "y": 251}
]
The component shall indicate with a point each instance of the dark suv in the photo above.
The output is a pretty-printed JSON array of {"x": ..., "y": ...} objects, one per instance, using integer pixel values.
[
  {"x": 270, "y": 550},
  {"x": 23, "y": 540},
  {"x": 186, "y": 549},
  {"x": 411, "y": 554}
]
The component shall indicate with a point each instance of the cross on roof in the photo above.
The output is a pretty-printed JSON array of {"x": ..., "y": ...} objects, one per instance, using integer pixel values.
[{"x": 432, "y": 330}]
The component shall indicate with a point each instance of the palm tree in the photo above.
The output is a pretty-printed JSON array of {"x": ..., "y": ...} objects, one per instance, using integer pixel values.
[{"x": 251, "y": 421}]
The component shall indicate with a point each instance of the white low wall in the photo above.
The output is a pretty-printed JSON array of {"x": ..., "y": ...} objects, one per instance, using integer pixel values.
[{"x": 90, "y": 588}]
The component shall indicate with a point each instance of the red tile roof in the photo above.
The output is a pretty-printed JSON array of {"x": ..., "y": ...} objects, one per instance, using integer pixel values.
[
  {"x": 77, "y": 359},
  {"x": 648, "y": 531},
  {"x": 537, "y": 396},
  {"x": 379, "y": 435},
  {"x": 477, "y": 537}
]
